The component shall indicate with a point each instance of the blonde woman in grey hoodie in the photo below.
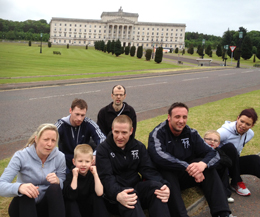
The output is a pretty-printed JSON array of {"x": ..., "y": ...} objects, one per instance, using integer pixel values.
[
  {"x": 40, "y": 169},
  {"x": 233, "y": 137}
]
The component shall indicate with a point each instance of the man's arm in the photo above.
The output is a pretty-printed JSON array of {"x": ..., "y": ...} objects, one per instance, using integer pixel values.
[
  {"x": 159, "y": 155},
  {"x": 101, "y": 122},
  {"x": 105, "y": 172},
  {"x": 95, "y": 131}
]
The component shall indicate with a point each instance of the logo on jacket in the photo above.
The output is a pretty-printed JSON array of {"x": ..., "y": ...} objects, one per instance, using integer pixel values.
[
  {"x": 185, "y": 142},
  {"x": 135, "y": 154},
  {"x": 112, "y": 154}
]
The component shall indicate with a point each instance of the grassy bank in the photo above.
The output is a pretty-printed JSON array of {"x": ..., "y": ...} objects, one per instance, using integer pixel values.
[
  {"x": 208, "y": 116},
  {"x": 21, "y": 63}
]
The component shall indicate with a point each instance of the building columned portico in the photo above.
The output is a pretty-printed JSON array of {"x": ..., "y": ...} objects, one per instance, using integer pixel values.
[{"x": 117, "y": 25}]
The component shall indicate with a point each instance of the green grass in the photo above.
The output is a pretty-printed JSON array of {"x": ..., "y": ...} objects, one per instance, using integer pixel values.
[
  {"x": 202, "y": 118},
  {"x": 21, "y": 63}
]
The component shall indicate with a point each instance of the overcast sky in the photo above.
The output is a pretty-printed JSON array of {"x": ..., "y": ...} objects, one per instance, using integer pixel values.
[{"x": 212, "y": 17}]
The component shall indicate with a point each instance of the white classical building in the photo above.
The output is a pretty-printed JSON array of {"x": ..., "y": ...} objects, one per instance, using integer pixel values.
[{"x": 117, "y": 25}]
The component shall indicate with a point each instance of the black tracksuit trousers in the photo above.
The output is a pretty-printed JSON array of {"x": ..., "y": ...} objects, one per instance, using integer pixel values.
[
  {"x": 52, "y": 205},
  {"x": 249, "y": 164},
  {"x": 146, "y": 200},
  {"x": 212, "y": 187}
]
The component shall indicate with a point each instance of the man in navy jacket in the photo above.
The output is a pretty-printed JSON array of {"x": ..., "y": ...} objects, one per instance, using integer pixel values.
[
  {"x": 76, "y": 129},
  {"x": 185, "y": 160},
  {"x": 122, "y": 164}
]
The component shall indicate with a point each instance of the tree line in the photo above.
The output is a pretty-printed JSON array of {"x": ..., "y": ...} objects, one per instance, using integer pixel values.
[
  {"x": 114, "y": 47},
  {"x": 24, "y": 30}
]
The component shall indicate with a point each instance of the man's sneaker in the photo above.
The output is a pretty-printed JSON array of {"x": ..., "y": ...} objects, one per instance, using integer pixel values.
[
  {"x": 241, "y": 189},
  {"x": 230, "y": 200}
]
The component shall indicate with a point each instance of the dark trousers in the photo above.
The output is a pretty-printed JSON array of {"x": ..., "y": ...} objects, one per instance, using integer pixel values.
[
  {"x": 249, "y": 164},
  {"x": 212, "y": 188},
  {"x": 93, "y": 206},
  {"x": 223, "y": 174},
  {"x": 146, "y": 200},
  {"x": 52, "y": 205}
]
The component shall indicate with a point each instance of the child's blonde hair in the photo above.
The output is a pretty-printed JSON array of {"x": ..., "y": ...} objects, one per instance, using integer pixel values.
[
  {"x": 212, "y": 132},
  {"x": 83, "y": 149}
]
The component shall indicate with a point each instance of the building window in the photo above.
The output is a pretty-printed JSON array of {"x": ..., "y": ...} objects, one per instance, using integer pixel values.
[
  {"x": 80, "y": 36},
  {"x": 90, "y": 30},
  {"x": 70, "y": 24},
  {"x": 65, "y": 24},
  {"x": 64, "y": 41},
  {"x": 176, "y": 34},
  {"x": 69, "y": 35},
  {"x": 64, "y": 34},
  {"x": 85, "y": 30},
  {"x": 90, "y": 36},
  {"x": 162, "y": 29},
  {"x": 84, "y": 36},
  {"x": 70, "y": 29},
  {"x": 59, "y": 41},
  {"x": 75, "y": 25},
  {"x": 65, "y": 30},
  {"x": 79, "y": 42},
  {"x": 85, "y": 25},
  {"x": 80, "y": 25},
  {"x": 89, "y": 26},
  {"x": 69, "y": 41},
  {"x": 176, "y": 30},
  {"x": 54, "y": 24},
  {"x": 75, "y": 30},
  {"x": 60, "y": 24},
  {"x": 74, "y": 36}
]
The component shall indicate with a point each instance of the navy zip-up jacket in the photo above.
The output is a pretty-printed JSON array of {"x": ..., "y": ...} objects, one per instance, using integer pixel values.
[
  {"x": 169, "y": 152},
  {"x": 119, "y": 169},
  {"x": 71, "y": 136}
]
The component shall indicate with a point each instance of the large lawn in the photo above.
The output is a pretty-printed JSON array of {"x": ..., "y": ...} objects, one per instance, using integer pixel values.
[{"x": 19, "y": 61}]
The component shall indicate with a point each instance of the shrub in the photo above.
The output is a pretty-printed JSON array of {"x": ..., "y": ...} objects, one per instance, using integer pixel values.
[
  {"x": 118, "y": 50},
  {"x": 30, "y": 43},
  {"x": 127, "y": 49},
  {"x": 139, "y": 52},
  {"x": 148, "y": 54},
  {"x": 176, "y": 50},
  {"x": 86, "y": 47},
  {"x": 158, "y": 55},
  {"x": 132, "y": 51},
  {"x": 68, "y": 46},
  {"x": 49, "y": 44}
]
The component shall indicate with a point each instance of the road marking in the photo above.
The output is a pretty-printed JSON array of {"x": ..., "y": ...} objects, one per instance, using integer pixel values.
[
  {"x": 69, "y": 94},
  {"x": 192, "y": 79},
  {"x": 227, "y": 74},
  {"x": 142, "y": 85}
]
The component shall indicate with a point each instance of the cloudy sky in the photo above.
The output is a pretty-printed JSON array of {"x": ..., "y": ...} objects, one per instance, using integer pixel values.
[{"x": 211, "y": 17}]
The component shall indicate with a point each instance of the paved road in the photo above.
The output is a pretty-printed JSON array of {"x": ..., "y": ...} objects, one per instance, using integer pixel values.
[{"x": 25, "y": 109}]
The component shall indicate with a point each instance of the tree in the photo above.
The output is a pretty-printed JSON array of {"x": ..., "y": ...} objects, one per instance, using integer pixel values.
[
  {"x": 108, "y": 46},
  {"x": 158, "y": 55},
  {"x": 208, "y": 50},
  {"x": 191, "y": 49},
  {"x": 68, "y": 46},
  {"x": 227, "y": 38},
  {"x": 258, "y": 51},
  {"x": 127, "y": 50},
  {"x": 246, "y": 48},
  {"x": 200, "y": 51},
  {"x": 219, "y": 51},
  {"x": 122, "y": 50},
  {"x": 112, "y": 47},
  {"x": 148, "y": 54},
  {"x": 30, "y": 43},
  {"x": 132, "y": 51},
  {"x": 117, "y": 48},
  {"x": 49, "y": 44},
  {"x": 176, "y": 50},
  {"x": 139, "y": 52},
  {"x": 183, "y": 51}
]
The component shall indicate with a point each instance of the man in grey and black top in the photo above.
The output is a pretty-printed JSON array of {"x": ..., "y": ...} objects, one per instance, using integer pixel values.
[
  {"x": 107, "y": 114},
  {"x": 185, "y": 160}
]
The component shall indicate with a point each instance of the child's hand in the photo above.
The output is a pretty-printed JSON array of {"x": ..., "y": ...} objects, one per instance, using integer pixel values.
[
  {"x": 93, "y": 170},
  {"x": 75, "y": 172}
]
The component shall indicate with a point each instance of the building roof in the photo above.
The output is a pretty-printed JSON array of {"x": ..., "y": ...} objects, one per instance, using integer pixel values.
[{"x": 120, "y": 13}]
